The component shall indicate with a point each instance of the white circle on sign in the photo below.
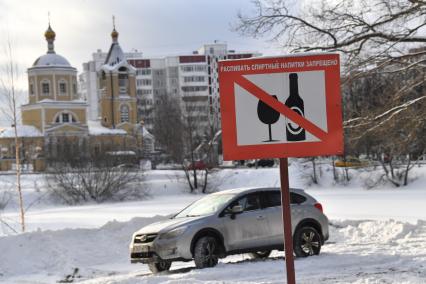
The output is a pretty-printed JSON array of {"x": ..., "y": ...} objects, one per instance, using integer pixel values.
[{"x": 292, "y": 127}]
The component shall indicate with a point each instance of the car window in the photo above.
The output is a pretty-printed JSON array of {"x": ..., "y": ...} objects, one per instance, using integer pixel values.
[
  {"x": 206, "y": 205},
  {"x": 249, "y": 202},
  {"x": 296, "y": 198},
  {"x": 273, "y": 199}
]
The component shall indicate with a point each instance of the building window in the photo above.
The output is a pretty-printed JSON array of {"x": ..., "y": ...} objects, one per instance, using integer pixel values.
[
  {"x": 65, "y": 117},
  {"x": 146, "y": 82},
  {"x": 74, "y": 88},
  {"x": 194, "y": 79},
  {"x": 193, "y": 68},
  {"x": 124, "y": 113},
  {"x": 143, "y": 71},
  {"x": 194, "y": 88},
  {"x": 62, "y": 88},
  {"x": 45, "y": 88},
  {"x": 31, "y": 89},
  {"x": 143, "y": 82},
  {"x": 122, "y": 80}
]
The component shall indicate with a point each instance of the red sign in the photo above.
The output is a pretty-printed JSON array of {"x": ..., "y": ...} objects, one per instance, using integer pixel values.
[{"x": 278, "y": 107}]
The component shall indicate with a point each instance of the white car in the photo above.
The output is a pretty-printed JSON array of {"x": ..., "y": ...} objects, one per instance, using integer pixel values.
[{"x": 247, "y": 220}]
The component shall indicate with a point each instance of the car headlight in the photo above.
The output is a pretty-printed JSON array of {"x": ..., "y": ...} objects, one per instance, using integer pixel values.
[{"x": 173, "y": 233}]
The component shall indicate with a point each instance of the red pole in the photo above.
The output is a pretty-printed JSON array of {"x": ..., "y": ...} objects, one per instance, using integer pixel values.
[{"x": 286, "y": 214}]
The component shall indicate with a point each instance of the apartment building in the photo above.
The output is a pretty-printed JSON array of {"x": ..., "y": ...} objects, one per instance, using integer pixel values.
[{"x": 192, "y": 77}]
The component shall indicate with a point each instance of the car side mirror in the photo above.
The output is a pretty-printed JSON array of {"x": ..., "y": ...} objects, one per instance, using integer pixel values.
[{"x": 237, "y": 209}]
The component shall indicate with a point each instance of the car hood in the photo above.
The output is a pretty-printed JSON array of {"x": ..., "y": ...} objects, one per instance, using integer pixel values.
[{"x": 167, "y": 225}]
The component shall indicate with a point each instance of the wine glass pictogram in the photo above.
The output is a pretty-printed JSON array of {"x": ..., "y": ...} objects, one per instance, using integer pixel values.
[{"x": 267, "y": 115}]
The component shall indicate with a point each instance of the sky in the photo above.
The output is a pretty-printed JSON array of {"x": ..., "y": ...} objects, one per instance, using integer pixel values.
[{"x": 154, "y": 27}]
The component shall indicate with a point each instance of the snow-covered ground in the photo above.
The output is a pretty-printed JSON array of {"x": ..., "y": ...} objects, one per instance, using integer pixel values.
[{"x": 377, "y": 236}]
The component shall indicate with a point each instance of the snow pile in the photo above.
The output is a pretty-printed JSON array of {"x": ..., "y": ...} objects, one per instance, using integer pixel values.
[
  {"x": 50, "y": 101},
  {"x": 95, "y": 128},
  {"x": 371, "y": 231},
  {"x": 169, "y": 193},
  {"x": 23, "y": 131},
  {"x": 359, "y": 251},
  {"x": 61, "y": 251}
]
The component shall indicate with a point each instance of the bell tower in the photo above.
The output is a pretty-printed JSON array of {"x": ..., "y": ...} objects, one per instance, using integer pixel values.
[{"x": 117, "y": 89}]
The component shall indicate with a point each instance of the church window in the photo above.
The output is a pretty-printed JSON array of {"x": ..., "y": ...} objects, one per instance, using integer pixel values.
[
  {"x": 31, "y": 89},
  {"x": 62, "y": 88},
  {"x": 65, "y": 117},
  {"x": 122, "y": 81},
  {"x": 45, "y": 87},
  {"x": 124, "y": 113}
]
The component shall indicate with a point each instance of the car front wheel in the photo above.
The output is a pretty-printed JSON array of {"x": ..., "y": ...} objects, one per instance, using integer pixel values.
[
  {"x": 206, "y": 252},
  {"x": 307, "y": 242},
  {"x": 162, "y": 265}
]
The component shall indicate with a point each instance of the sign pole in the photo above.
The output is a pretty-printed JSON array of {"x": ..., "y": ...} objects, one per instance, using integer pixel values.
[{"x": 286, "y": 215}]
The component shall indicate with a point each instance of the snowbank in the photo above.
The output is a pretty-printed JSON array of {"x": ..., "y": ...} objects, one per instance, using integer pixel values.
[
  {"x": 22, "y": 130},
  {"x": 357, "y": 252},
  {"x": 95, "y": 128},
  {"x": 168, "y": 193},
  {"x": 59, "y": 252}
]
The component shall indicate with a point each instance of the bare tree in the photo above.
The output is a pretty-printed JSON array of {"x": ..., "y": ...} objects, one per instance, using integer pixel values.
[
  {"x": 168, "y": 127},
  {"x": 200, "y": 139},
  {"x": 184, "y": 137},
  {"x": 384, "y": 64},
  {"x": 354, "y": 28},
  {"x": 375, "y": 37},
  {"x": 10, "y": 95},
  {"x": 99, "y": 176}
]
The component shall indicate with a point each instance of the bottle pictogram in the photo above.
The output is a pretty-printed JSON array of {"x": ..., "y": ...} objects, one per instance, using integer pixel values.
[{"x": 293, "y": 131}]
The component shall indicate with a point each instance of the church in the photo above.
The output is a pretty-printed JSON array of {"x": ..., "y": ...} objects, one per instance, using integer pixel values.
[{"x": 55, "y": 119}]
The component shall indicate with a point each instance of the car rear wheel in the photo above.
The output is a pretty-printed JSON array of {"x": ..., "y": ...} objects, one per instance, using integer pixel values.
[
  {"x": 260, "y": 254},
  {"x": 162, "y": 265},
  {"x": 307, "y": 242},
  {"x": 206, "y": 252}
]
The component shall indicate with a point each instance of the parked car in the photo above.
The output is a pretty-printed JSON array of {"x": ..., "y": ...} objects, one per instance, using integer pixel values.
[
  {"x": 247, "y": 220},
  {"x": 261, "y": 163},
  {"x": 351, "y": 162}
]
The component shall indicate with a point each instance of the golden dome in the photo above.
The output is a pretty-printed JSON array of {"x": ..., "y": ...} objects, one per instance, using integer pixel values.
[
  {"x": 114, "y": 34},
  {"x": 49, "y": 34}
]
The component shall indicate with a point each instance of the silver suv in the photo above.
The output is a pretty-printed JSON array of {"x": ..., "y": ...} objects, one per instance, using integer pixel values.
[{"x": 247, "y": 220}]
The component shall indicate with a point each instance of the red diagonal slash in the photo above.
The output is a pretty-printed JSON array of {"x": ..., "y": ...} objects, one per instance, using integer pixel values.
[{"x": 280, "y": 107}]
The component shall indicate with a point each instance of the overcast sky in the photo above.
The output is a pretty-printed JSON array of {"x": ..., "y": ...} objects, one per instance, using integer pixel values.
[{"x": 154, "y": 27}]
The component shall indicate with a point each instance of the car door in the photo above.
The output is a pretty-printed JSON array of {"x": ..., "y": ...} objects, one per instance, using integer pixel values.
[
  {"x": 247, "y": 229},
  {"x": 271, "y": 204}
]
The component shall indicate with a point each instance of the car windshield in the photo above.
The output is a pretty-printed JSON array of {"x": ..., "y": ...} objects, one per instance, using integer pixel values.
[{"x": 205, "y": 206}]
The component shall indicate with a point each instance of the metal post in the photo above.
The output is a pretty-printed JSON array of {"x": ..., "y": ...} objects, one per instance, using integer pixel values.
[{"x": 286, "y": 215}]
